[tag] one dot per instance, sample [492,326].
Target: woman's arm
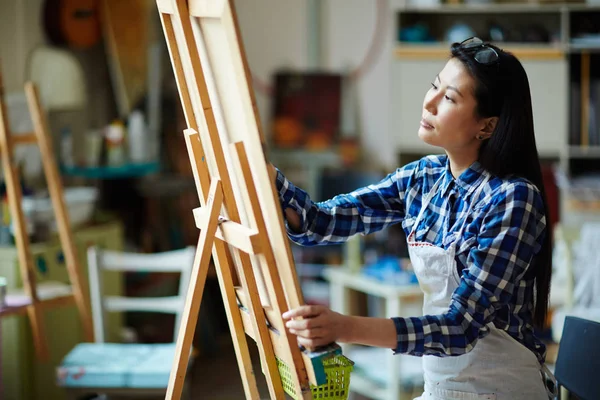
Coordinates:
[292,218]
[320,326]
[364,210]
[512,232]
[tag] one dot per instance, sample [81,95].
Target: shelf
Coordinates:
[583,48]
[494,8]
[50,294]
[366,284]
[581,7]
[584,151]
[442,51]
[19,307]
[124,171]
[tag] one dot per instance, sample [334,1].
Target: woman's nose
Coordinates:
[430,104]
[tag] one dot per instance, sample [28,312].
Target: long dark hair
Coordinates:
[502,90]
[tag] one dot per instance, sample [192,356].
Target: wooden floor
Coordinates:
[216,376]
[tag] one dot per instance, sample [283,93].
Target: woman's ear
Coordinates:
[489,124]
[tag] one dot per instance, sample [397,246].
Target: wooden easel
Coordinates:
[240,216]
[40,137]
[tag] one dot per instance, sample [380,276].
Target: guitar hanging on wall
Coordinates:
[72,23]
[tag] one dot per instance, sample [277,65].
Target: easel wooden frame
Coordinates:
[40,137]
[240,216]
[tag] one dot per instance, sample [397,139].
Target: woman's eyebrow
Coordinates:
[454,88]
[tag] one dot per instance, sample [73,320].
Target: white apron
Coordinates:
[498,367]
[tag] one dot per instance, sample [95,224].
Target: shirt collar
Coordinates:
[466,182]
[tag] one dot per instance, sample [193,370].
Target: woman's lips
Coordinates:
[426,124]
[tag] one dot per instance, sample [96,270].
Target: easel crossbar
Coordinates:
[235,234]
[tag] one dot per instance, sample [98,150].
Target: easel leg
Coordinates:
[236,325]
[55,187]
[195,291]
[14,194]
[225,273]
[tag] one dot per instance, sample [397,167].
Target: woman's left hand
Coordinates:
[318,327]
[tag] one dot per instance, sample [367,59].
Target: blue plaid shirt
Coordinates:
[503,232]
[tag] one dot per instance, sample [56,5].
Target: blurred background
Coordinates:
[339,86]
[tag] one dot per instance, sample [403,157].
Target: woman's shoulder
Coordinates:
[513,188]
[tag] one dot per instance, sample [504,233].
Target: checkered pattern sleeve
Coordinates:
[512,230]
[363,211]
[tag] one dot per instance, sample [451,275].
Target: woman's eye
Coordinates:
[433,85]
[448,98]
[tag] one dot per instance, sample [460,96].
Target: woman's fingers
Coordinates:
[314,333]
[314,326]
[303,311]
[312,344]
[308,323]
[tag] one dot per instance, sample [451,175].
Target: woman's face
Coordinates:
[449,118]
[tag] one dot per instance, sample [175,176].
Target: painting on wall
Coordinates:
[307,110]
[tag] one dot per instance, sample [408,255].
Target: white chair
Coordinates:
[126,369]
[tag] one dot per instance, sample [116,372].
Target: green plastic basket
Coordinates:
[337,371]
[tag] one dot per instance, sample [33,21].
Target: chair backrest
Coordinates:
[578,360]
[170,261]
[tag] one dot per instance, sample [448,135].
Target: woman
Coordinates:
[477,235]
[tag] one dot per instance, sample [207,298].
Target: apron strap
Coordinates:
[425,204]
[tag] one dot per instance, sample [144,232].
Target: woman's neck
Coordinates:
[460,162]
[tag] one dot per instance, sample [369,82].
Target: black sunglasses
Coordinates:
[483,54]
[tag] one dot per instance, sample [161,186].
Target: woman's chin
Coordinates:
[427,136]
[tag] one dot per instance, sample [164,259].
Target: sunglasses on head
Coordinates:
[483,53]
